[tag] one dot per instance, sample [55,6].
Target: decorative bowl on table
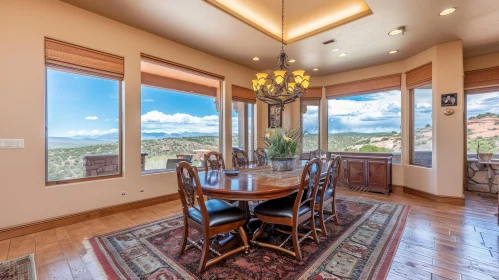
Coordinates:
[231,172]
[280,164]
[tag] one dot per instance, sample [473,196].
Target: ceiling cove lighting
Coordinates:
[399,30]
[447,11]
[336,49]
[393,52]
[256,58]
[342,54]
[284,87]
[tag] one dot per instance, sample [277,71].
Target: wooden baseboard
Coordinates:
[28,228]
[437,198]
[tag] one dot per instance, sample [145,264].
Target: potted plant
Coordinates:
[281,145]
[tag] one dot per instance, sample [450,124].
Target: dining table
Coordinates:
[256,183]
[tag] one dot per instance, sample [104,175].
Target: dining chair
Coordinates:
[320,154]
[240,159]
[209,218]
[292,211]
[326,194]
[214,161]
[261,157]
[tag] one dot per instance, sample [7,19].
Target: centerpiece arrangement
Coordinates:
[282,145]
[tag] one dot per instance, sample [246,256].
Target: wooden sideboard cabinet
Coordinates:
[366,171]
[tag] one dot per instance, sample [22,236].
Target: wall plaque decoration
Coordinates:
[448,111]
[449,99]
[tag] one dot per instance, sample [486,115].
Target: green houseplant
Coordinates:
[282,145]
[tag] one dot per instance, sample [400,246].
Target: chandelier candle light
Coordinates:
[284,87]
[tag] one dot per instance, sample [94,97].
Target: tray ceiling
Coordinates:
[199,25]
[302,19]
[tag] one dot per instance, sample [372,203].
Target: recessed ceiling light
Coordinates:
[291,60]
[342,54]
[397,31]
[336,49]
[316,69]
[256,58]
[394,51]
[447,11]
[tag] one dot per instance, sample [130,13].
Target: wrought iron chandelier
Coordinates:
[284,87]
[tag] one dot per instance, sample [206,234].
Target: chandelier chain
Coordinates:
[282,27]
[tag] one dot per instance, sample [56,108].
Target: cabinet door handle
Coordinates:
[359,172]
[370,174]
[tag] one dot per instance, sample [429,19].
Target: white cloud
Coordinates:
[95,132]
[379,112]
[92,118]
[155,121]
[107,120]
[148,100]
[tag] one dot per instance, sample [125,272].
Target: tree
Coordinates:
[427,125]
[374,149]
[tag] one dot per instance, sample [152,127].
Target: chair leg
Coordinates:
[244,238]
[314,231]
[258,232]
[296,245]
[333,210]
[322,223]
[204,254]
[184,236]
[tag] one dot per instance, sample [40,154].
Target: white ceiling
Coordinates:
[199,25]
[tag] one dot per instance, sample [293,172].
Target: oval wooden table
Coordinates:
[251,184]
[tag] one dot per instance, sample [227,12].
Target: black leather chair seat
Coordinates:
[219,212]
[281,207]
[327,195]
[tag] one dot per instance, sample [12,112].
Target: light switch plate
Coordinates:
[11,143]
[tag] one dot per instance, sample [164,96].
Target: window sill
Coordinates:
[81,180]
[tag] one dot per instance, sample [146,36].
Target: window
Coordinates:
[367,123]
[180,117]
[83,126]
[482,125]
[83,113]
[421,126]
[242,127]
[310,126]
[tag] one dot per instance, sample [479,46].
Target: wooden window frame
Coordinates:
[120,131]
[318,123]
[412,133]
[246,139]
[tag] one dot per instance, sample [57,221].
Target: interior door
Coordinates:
[356,172]
[377,174]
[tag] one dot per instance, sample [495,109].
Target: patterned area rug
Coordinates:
[22,268]
[360,247]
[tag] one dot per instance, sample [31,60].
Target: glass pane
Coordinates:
[310,129]
[251,140]
[422,126]
[482,112]
[366,123]
[177,126]
[82,126]
[238,109]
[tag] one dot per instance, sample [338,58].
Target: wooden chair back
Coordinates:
[261,157]
[214,161]
[308,185]
[189,190]
[332,175]
[240,159]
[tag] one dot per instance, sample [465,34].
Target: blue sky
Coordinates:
[368,113]
[80,105]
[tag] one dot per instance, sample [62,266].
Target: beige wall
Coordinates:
[23,25]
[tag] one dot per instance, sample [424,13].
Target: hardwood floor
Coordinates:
[440,241]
